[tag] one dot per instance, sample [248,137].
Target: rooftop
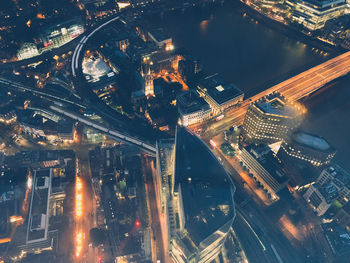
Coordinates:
[275,104]
[63,24]
[338,173]
[329,191]
[159,34]
[207,193]
[65,127]
[264,156]
[323,5]
[38,207]
[218,90]
[338,238]
[190,101]
[311,141]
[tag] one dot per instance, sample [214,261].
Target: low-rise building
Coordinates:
[28,50]
[52,37]
[8,116]
[338,238]
[308,148]
[159,37]
[218,94]
[342,217]
[36,125]
[188,68]
[38,236]
[192,108]
[331,187]
[264,166]
[65,130]
[59,34]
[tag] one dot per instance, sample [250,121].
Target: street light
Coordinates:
[29,182]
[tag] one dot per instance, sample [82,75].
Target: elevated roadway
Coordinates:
[9,84]
[100,107]
[149,148]
[293,89]
[81,45]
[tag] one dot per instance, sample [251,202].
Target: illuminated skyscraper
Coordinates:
[271,119]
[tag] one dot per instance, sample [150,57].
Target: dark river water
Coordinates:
[254,56]
[246,52]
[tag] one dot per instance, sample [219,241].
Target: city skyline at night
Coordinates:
[192,131]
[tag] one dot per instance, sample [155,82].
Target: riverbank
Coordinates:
[290,31]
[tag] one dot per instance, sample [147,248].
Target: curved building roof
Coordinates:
[311,141]
[206,190]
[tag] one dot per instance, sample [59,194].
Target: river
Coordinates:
[329,116]
[246,52]
[254,56]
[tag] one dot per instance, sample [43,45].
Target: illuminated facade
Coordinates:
[148,87]
[270,119]
[313,14]
[192,108]
[8,117]
[218,94]
[58,35]
[261,163]
[269,3]
[53,37]
[333,185]
[28,50]
[308,148]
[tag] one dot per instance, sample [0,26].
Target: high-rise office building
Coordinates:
[270,119]
[200,203]
[313,14]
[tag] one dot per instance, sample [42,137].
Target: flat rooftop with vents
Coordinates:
[275,104]
[219,94]
[39,207]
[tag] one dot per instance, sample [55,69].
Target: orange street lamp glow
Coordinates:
[79,235]
[79,185]
[78,198]
[79,242]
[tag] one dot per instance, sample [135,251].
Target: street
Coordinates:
[85,210]
[158,252]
